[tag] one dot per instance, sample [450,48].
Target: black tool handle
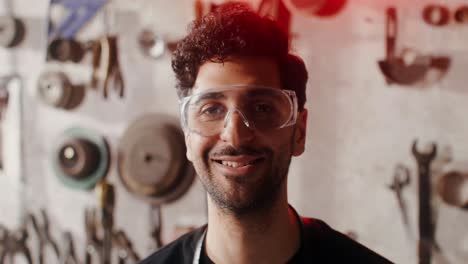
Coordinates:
[426,230]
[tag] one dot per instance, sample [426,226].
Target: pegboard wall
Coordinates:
[359,126]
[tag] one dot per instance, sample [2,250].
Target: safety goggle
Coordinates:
[208,112]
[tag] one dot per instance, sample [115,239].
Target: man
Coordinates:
[242,111]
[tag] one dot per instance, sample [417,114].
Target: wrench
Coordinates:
[401,179]
[426,224]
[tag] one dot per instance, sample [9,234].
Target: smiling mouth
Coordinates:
[238,164]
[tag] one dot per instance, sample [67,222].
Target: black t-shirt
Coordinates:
[204,259]
[319,244]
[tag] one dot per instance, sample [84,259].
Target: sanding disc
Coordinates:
[151,159]
[12,31]
[55,89]
[452,184]
[80,158]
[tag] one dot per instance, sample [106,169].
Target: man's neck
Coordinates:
[271,236]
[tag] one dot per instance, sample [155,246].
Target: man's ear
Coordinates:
[300,133]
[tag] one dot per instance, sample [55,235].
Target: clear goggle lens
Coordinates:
[261,108]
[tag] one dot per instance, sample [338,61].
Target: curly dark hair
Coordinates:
[233,29]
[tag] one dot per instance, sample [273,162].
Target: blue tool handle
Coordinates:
[80,12]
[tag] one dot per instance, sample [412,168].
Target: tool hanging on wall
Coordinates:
[440,15]
[55,89]
[106,67]
[67,50]
[452,188]
[461,15]
[125,251]
[14,244]
[316,8]
[4,97]
[45,239]
[401,179]
[12,28]
[436,15]
[81,158]
[101,238]
[151,44]
[410,67]
[78,14]
[152,164]
[426,219]
[12,31]
[68,255]
[106,198]
[93,243]
[278,11]
[151,159]
[62,30]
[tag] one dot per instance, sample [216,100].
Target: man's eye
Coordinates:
[263,108]
[212,110]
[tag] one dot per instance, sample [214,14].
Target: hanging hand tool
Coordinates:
[452,187]
[12,29]
[126,253]
[461,14]
[436,15]
[79,14]
[426,223]
[106,196]
[278,11]
[106,67]
[156,225]
[13,244]
[401,179]
[45,239]
[81,158]
[151,45]
[68,254]
[93,243]
[410,67]
[64,50]
[314,8]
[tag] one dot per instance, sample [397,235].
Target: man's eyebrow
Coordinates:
[260,92]
[209,95]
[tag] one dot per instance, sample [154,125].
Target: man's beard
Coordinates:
[267,189]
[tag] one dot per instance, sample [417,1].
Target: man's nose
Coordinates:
[237,129]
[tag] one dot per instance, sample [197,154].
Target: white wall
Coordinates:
[359,127]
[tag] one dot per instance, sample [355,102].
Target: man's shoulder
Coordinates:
[334,246]
[179,251]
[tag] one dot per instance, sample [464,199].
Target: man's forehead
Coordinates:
[254,71]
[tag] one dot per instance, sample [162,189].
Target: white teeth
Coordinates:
[233,164]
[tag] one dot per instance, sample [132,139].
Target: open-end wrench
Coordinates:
[426,224]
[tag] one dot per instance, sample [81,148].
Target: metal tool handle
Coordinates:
[426,224]
[392,32]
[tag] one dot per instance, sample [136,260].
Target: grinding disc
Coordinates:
[55,89]
[452,184]
[81,158]
[66,50]
[151,159]
[12,31]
